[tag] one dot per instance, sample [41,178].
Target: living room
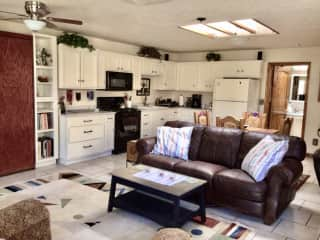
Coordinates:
[91,111]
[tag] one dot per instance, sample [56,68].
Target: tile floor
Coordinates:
[301,220]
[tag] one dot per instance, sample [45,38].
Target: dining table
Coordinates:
[262,130]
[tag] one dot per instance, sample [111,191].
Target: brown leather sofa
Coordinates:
[216,155]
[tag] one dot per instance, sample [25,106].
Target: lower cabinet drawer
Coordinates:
[80,134]
[87,148]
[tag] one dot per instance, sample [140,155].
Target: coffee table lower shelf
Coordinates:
[155,208]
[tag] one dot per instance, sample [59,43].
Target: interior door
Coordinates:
[279,97]
[17,139]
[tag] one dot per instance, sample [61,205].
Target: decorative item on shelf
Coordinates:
[43,57]
[43,79]
[75,40]
[149,52]
[213,57]
[62,105]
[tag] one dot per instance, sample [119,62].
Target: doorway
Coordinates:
[287,96]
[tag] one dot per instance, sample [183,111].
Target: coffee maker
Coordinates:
[196,100]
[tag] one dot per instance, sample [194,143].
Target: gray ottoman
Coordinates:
[27,219]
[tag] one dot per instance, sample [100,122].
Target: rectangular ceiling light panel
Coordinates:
[244,27]
[256,26]
[204,30]
[229,28]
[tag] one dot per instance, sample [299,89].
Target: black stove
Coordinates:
[127,121]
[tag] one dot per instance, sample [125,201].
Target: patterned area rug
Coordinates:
[212,229]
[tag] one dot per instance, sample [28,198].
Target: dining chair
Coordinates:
[202,118]
[255,119]
[229,122]
[286,124]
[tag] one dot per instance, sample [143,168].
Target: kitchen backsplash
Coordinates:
[85,102]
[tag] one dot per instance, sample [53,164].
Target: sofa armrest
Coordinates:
[280,176]
[316,163]
[287,171]
[145,146]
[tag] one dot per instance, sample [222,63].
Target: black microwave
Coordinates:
[119,81]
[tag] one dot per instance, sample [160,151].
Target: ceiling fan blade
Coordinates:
[51,25]
[12,19]
[18,14]
[64,20]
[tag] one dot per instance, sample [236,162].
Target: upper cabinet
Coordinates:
[207,75]
[150,67]
[168,79]
[188,75]
[78,68]
[240,69]
[117,62]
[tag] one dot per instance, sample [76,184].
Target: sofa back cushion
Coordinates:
[297,146]
[220,146]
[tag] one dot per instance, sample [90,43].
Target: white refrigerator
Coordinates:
[234,96]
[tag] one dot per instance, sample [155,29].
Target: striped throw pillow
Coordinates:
[173,142]
[266,154]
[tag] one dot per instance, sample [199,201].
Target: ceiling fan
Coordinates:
[36,16]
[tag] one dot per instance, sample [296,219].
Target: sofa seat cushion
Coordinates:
[198,169]
[160,161]
[238,184]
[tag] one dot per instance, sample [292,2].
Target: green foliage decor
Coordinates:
[75,40]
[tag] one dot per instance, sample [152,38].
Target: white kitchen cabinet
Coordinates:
[78,68]
[146,126]
[85,136]
[241,69]
[188,75]
[136,70]
[109,132]
[117,62]
[168,79]
[69,67]
[150,67]
[206,76]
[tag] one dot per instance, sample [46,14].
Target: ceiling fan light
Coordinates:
[34,25]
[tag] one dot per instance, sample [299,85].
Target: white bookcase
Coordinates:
[46,101]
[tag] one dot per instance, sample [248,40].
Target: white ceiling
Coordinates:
[156,25]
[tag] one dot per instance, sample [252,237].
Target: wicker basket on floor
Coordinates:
[171,234]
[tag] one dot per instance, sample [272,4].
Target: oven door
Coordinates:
[118,81]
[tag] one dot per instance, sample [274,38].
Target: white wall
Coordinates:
[270,55]
[282,55]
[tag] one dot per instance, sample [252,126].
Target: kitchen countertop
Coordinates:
[141,108]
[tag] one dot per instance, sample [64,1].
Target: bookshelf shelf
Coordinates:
[46,130]
[45,67]
[45,111]
[45,83]
[46,98]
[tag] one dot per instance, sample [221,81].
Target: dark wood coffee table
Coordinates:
[166,205]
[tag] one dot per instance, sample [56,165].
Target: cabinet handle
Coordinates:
[90,131]
[162,119]
[110,118]
[87,121]
[146,115]
[87,146]
[145,124]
